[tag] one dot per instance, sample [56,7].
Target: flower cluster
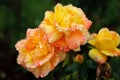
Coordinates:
[44,47]
[64,29]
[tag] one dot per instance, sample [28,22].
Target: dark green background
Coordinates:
[18,15]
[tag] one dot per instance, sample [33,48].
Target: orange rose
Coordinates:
[36,55]
[66,23]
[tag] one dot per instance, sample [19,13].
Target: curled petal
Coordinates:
[97,56]
[61,45]
[75,39]
[43,70]
[59,13]
[116,51]
[20,46]
[107,53]
[43,53]
[87,23]
[51,32]
[108,39]
[112,52]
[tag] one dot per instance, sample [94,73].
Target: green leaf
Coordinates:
[72,67]
[115,65]
[69,59]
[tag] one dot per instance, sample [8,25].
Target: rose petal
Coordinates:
[61,45]
[97,56]
[75,39]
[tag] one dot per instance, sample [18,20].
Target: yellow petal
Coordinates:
[97,56]
[62,18]
[65,23]
[105,40]
[103,32]
[51,64]
[107,53]
[77,16]
[106,43]
[94,42]
[49,16]
[77,19]
[116,38]
[42,53]
[52,33]
[29,61]
[59,13]
[115,51]
[108,39]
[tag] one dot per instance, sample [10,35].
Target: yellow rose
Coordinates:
[105,42]
[36,55]
[68,23]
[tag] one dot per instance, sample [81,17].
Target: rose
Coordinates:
[66,27]
[105,43]
[36,54]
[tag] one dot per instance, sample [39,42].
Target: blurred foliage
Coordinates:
[18,15]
